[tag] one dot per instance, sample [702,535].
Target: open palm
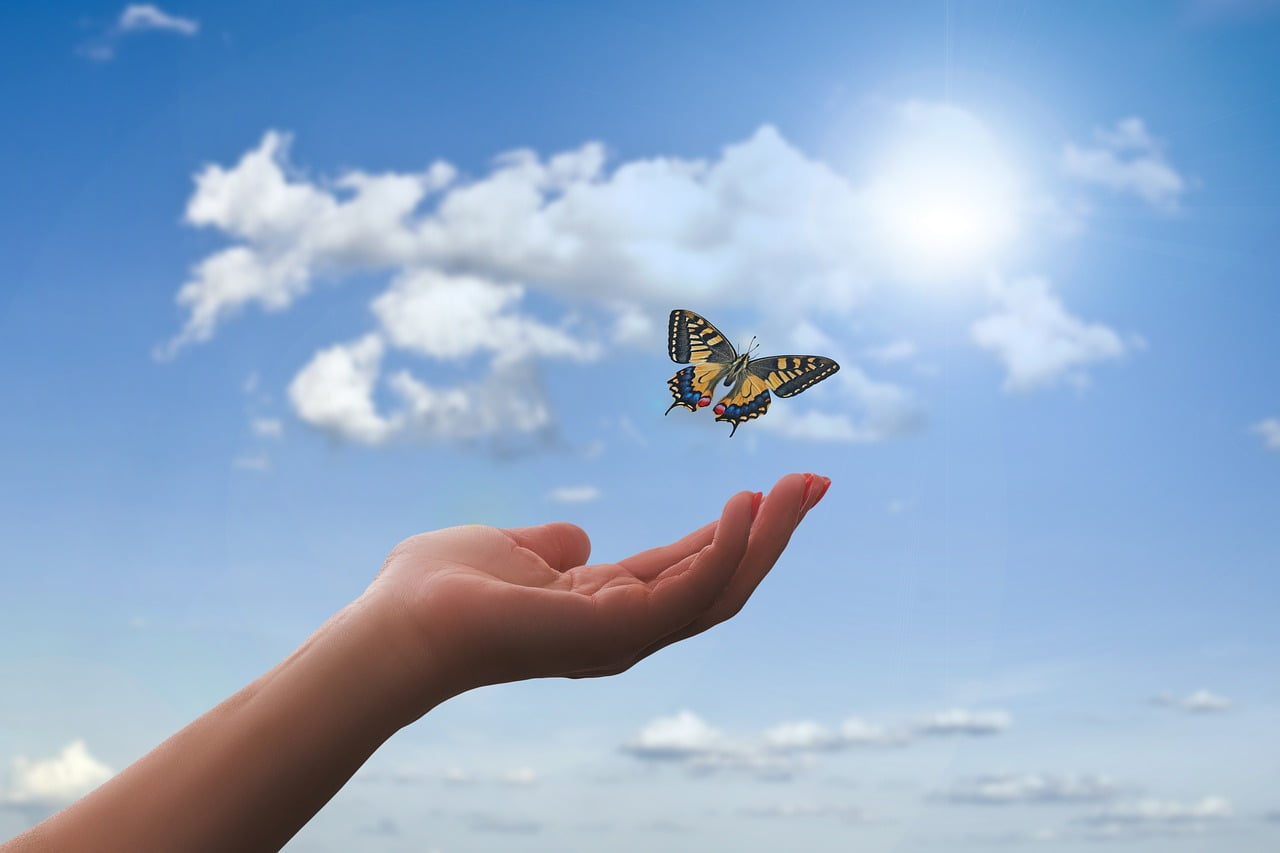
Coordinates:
[481,605]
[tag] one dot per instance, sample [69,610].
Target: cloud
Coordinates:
[334,392]
[894,351]
[1269,429]
[1038,341]
[252,462]
[466,260]
[139,17]
[574,494]
[136,18]
[960,721]
[679,737]
[520,777]
[1199,702]
[1157,817]
[851,814]
[267,427]
[1127,159]
[1011,789]
[50,783]
[887,411]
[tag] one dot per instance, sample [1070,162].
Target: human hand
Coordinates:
[475,605]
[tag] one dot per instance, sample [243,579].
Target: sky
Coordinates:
[282,284]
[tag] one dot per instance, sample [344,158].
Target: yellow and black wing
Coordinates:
[691,339]
[785,375]
[788,375]
[748,400]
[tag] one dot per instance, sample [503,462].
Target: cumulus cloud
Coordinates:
[1163,817]
[1269,429]
[136,18]
[1038,341]
[1127,159]
[574,494]
[466,259]
[1199,702]
[50,783]
[678,737]
[1012,788]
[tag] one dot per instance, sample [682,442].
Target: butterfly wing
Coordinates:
[788,375]
[692,339]
[748,400]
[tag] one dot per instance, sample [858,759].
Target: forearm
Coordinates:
[249,773]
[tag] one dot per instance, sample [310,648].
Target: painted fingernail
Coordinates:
[808,486]
[755,504]
[822,489]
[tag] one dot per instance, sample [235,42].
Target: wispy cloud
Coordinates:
[1199,702]
[1127,159]
[134,19]
[574,494]
[1269,429]
[1146,817]
[1015,788]
[1038,341]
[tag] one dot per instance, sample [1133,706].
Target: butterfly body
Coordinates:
[713,361]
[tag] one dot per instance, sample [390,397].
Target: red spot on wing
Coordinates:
[719,409]
[704,401]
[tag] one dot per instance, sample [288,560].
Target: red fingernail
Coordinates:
[822,490]
[808,484]
[755,504]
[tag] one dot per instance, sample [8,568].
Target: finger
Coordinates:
[647,565]
[681,592]
[779,514]
[560,544]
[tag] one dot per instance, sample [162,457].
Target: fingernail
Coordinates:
[755,504]
[808,485]
[822,490]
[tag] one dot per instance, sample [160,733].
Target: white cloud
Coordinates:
[252,462]
[681,736]
[761,217]
[519,777]
[334,392]
[1200,702]
[143,16]
[54,782]
[897,350]
[574,494]
[1127,159]
[888,411]
[135,18]
[1038,341]
[267,427]
[806,810]
[960,721]
[1270,432]
[1011,788]
[455,316]
[1150,816]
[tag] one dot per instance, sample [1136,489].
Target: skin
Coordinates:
[450,610]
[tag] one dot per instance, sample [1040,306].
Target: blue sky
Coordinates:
[285,283]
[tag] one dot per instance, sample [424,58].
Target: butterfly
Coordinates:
[691,339]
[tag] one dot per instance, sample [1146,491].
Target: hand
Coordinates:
[476,605]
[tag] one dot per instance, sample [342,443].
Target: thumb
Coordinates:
[562,545]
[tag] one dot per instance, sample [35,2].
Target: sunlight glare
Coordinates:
[944,198]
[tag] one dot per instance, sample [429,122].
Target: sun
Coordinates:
[944,196]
